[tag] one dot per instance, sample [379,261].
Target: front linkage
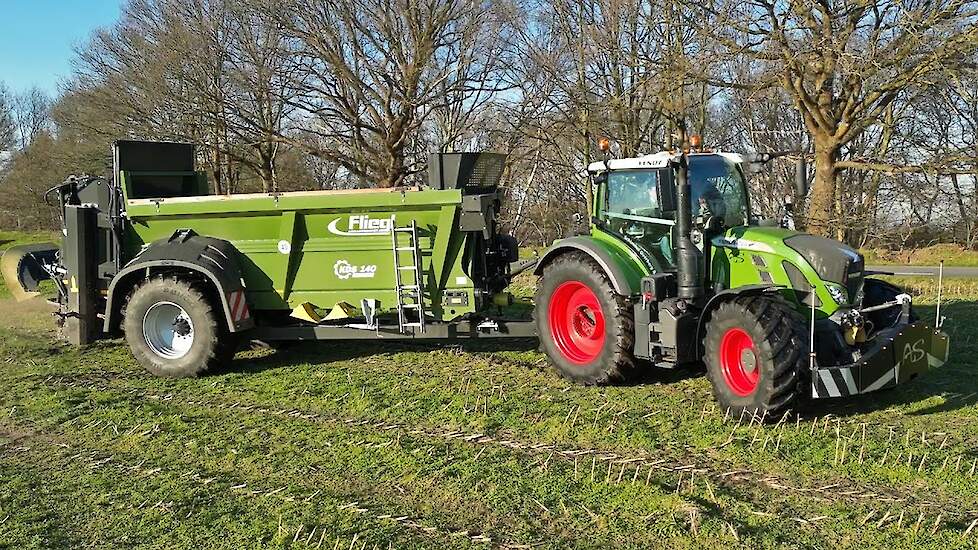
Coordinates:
[896,355]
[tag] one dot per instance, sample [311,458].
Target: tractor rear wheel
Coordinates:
[585,327]
[174,331]
[755,357]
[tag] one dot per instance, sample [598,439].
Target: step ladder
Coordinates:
[408,278]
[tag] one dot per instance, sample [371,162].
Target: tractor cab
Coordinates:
[635,198]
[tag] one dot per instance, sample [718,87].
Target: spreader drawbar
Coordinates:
[893,361]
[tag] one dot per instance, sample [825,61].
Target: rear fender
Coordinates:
[214,260]
[624,271]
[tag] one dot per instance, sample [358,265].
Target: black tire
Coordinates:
[610,362]
[211,344]
[777,345]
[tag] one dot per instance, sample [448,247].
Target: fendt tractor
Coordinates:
[674,269]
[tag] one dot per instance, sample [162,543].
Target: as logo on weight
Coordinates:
[344,270]
[913,351]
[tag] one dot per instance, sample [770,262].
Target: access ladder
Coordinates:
[407,277]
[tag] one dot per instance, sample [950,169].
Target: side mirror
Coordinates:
[801,177]
[666,191]
[788,219]
[755,164]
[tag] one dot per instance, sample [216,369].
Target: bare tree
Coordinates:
[375,71]
[8,128]
[844,62]
[32,115]
[209,71]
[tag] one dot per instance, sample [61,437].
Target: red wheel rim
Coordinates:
[576,322]
[738,360]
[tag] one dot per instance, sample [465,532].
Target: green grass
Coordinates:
[14,238]
[952,255]
[363,445]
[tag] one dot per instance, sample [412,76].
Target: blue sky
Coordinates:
[37,38]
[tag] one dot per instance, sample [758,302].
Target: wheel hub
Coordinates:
[576,321]
[584,323]
[738,362]
[168,330]
[181,326]
[748,361]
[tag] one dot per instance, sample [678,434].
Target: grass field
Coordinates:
[952,255]
[368,445]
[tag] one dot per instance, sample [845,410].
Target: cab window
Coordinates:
[631,209]
[718,184]
[633,193]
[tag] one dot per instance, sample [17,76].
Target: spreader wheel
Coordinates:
[173,330]
[585,327]
[755,352]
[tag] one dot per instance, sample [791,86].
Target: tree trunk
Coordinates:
[963,211]
[266,171]
[395,171]
[822,202]
[216,163]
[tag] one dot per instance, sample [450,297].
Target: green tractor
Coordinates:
[675,269]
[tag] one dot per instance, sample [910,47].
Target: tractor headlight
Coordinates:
[838,293]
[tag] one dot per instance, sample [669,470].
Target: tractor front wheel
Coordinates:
[174,331]
[755,356]
[585,327]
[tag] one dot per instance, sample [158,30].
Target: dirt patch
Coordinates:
[34,316]
[14,437]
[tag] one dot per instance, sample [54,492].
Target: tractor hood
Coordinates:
[833,261]
[805,260]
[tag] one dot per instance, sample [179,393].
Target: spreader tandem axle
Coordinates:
[673,270]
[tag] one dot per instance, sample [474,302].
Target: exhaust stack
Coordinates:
[689,257]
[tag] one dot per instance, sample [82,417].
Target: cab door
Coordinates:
[630,208]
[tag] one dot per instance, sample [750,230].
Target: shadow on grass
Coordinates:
[288,354]
[293,353]
[956,381]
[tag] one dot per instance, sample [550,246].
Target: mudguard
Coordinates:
[215,259]
[22,268]
[625,274]
[723,296]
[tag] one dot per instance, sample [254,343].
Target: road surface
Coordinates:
[925,270]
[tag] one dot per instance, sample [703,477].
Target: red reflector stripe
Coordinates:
[238,305]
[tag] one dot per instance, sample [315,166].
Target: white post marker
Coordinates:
[811,351]
[940,291]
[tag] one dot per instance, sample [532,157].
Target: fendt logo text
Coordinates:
[344,270]
[361,224]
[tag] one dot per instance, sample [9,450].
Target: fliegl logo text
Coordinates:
[344,270]
[361,224]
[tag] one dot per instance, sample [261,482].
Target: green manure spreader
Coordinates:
[674,269]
